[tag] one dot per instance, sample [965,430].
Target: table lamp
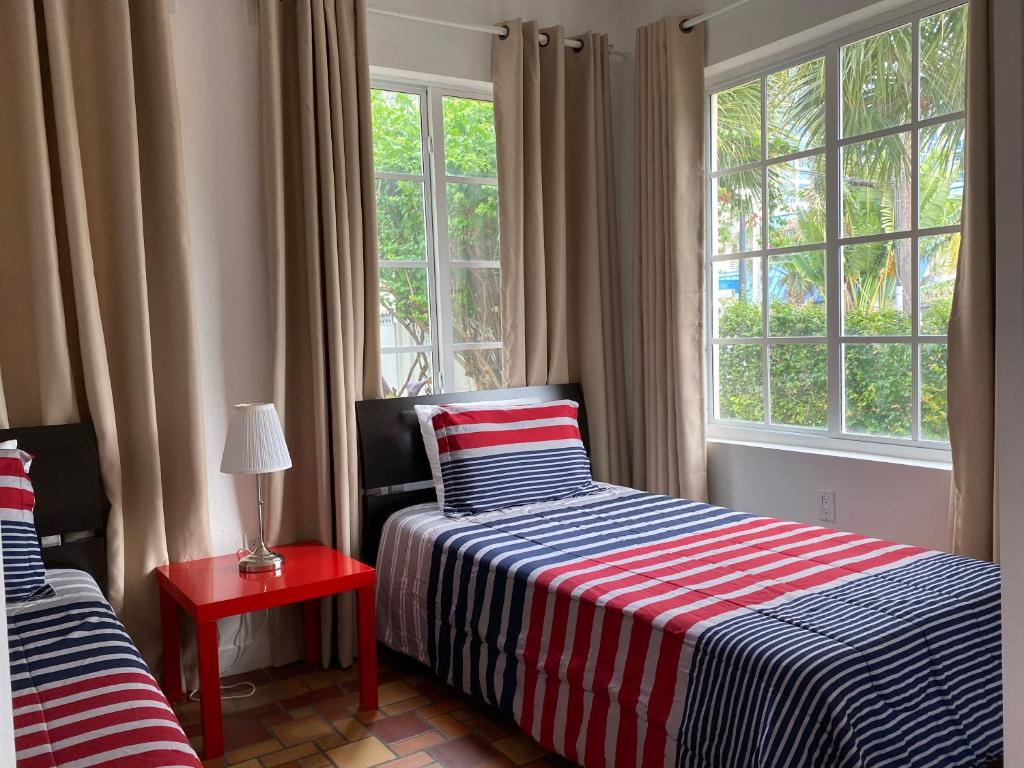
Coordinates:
[255,446]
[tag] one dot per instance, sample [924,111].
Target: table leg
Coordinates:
[171,648]
[209,690]
[367,650]
[311,630]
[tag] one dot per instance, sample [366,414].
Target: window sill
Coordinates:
[845,448]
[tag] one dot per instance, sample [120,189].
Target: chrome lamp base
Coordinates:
[260,561]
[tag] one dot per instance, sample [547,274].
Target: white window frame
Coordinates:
[833,438]
[439,265]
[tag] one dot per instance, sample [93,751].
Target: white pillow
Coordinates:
[8,444]
[425,415]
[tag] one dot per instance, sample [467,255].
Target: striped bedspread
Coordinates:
[82,694]
[630,629]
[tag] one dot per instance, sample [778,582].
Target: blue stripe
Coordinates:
[24,574]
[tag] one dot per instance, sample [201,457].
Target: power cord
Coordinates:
[239,643]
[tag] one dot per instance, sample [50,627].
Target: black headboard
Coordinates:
[71,507]
[393,468]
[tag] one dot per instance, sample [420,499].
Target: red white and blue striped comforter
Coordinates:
[630,629]
[82,694]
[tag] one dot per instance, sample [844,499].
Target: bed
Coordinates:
[82,695]
[625,628]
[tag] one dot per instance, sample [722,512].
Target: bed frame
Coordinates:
[393,468]
[71,507]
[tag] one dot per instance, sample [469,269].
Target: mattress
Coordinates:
[83,696]
[632,629]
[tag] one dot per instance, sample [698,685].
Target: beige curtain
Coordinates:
[668,261]
[322,255]
[95,293]
[561,311]
[974,525]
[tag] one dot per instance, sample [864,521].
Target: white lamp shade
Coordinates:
[254,443]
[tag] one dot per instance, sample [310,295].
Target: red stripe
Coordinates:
[85,704]
[574,677]
[133,737]
[12,466]
[17,498]
[88,723]
[81,686]
[467,440]
[531,652]
[446,418]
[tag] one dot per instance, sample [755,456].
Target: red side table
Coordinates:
[212,588]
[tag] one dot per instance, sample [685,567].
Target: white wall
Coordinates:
[897,501]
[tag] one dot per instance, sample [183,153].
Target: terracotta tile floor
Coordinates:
[304,717]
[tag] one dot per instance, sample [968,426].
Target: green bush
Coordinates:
[877,376]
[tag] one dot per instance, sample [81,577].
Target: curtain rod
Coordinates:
[499,30]
[687,24]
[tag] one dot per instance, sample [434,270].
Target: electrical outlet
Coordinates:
[827,506]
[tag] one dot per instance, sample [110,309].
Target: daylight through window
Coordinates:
[437,226]
[834,196]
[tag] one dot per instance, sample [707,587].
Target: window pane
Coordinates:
[943,62]
[737,200]
[736,116]
[876,186]
[469,148]
[404,307]
[406,374]
[796,287]
[878,389]
[877,299]
[477,369]
[396,131]
[473,222]
[737,289]
[876,81]
[401,233]
[933,392]
[798,381]
[796,108]
[937,258]
[740,382]
[942,174]
[796,202]
[476,304]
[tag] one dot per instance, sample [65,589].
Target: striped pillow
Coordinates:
[24,574]
[494,458]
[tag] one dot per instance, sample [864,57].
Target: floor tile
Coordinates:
[415,760]
[306,717]
[389,693]
[448,725]
[398,727]
[361,754]
[462,752]
[307,729]
[417,743]
[520,748]
[290,754]
[351,729]
[254,749]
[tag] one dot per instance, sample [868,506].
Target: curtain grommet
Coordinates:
[582,45]
[504,35]
[685,29]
